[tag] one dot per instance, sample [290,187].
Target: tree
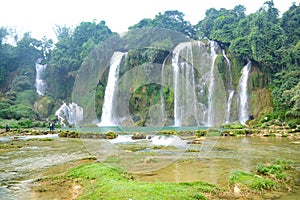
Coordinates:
[173,20]
[290,24]
[71,49]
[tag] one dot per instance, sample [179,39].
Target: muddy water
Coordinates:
[20,165]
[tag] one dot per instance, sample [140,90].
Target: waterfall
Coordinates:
[230,89]
[211,87]
[71,113]
[185,101]
[243,115]
[107,118]
[228,106]
[175,60]
[40,84]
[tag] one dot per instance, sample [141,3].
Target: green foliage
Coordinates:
[274,169]
[110,135]
[200,133]
[251,181]
[108,181]
[168,132]
[17,112]
[290,23]
[71,50]
[173,20]
[234,125]
[144,97]
[26,97]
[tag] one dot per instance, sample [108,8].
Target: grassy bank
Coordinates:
[100,181]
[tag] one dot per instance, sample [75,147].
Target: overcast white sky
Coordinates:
[40,16]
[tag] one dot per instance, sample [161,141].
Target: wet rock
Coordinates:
[139,136]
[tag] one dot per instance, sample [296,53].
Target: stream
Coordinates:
[156,158]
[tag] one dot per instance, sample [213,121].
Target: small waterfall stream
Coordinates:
[71,113]
[230,89]
[177,112]
[40,84]
[107,118]
[243,115]
[211,87]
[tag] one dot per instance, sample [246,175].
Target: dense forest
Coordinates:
[270,40]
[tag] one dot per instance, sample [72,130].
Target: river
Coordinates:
[160,158]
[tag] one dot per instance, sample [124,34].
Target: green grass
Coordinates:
[10,146]
[274,169]
[101,181]
[251,181]
[41,139]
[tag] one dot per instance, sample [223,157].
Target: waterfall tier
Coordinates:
[107,118]
[197,76]
[243,94]
[40,83]
[71,113]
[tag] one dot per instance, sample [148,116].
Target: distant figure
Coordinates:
[51,126]
[7,128]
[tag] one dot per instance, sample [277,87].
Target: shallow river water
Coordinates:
[157,158]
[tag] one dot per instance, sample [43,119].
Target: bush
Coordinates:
[200,133]
[25,123]
[235,125]
[275,168]
[251,181]
[168,132]
[17,112]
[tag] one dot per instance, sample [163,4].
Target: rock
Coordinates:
[139,136]
[236,190]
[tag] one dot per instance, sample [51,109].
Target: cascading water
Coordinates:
[243,115]
[190,72]
[177,116]
[40,84]
[197,85]
[185,101]
[71,113]
[211,87]
[230,89]
[107,118]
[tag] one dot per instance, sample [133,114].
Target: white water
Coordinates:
[211,87]
[228,106]
[177,112]
[185,101]
[107,118]
[230,90]
[158,140]
[243,115]
[40,84]
[71,113]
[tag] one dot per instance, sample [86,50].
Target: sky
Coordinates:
[40,16]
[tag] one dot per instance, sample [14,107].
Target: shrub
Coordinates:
[200,133]
[251,181]
[275,168]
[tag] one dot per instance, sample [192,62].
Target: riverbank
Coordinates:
[272,131]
